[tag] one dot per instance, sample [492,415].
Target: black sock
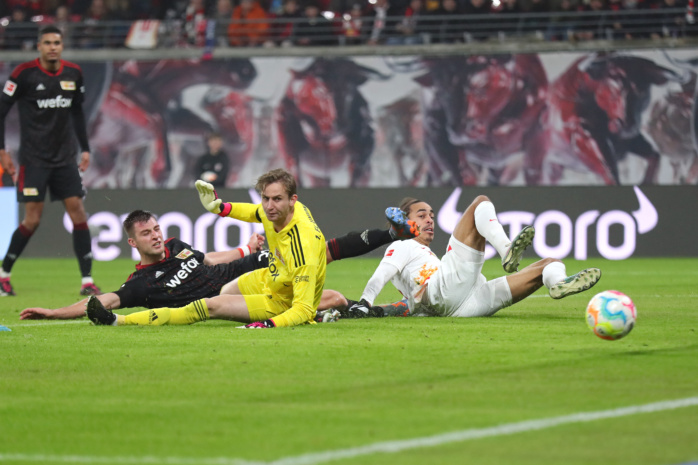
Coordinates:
[355,243]
[82,244]
[20,239]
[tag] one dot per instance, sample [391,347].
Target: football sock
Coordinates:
[191,313]
[488,226]
[20,239]
[553,273]
[82,244]
[355,243]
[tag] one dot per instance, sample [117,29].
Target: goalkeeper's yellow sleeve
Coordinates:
[247,212]
[307,292]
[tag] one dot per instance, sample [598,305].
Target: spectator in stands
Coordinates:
[195,23]
[30,7]
[63,20]
[353,25]
[477,26]
[448,26]
[286,22]
[93,30]
[670,19]
[248,25]
[594,23]
[537,23]
[509,18]
[410,29]
[314,29]
[20,33]
[382,22]
[222,14]
[562,26]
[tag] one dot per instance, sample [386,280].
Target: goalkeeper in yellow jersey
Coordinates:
[286,293]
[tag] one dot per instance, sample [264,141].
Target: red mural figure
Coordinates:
[144,104]
[595,115]
[324,124]
[480,112]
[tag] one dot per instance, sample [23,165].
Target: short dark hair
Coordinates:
[136,216]
[50,29]
[278,175]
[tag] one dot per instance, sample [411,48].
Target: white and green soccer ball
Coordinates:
[611,315]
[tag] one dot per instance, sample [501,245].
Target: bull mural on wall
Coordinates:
[481,111]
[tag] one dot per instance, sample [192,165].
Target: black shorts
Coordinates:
[63,182]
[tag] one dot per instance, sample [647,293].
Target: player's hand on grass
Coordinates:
[36,313]
[209,198]
[260,325]
[256,243]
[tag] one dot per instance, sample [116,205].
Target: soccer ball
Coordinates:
[611,315]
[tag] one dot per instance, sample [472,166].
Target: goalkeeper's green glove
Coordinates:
[210,201]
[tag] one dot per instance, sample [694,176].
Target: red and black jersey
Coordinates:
[181,277]
[50,113]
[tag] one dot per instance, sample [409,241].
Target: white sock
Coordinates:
[488,226]
[4,274]
[553,273]
[87,280]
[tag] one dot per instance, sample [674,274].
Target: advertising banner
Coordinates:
[539,119]
[571,222]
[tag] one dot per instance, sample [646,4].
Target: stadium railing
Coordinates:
[664,28]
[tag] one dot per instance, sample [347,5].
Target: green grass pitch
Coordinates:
[213,394]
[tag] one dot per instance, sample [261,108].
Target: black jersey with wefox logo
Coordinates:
[181,277]
[50,113]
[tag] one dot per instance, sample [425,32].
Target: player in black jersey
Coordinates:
[172,273]
[49,93]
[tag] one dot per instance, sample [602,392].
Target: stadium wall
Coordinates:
[575,222]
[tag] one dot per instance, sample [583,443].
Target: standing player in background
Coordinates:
[49,92]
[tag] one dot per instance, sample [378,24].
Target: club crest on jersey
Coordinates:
[184,254]
[68,85]
[277,254]
[10,88]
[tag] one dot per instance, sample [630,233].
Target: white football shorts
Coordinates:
[458,287]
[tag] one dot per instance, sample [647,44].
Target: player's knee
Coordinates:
[31,224]
[479,199]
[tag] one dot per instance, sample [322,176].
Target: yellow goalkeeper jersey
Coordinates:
[297,261]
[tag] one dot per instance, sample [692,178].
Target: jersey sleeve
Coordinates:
[133,293]
[307,278]
[303,307]
[380,278]
[247,212]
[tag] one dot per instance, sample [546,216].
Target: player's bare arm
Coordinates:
[7,164]
[255,244]
[110,300]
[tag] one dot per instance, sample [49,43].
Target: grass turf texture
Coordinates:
[190,393]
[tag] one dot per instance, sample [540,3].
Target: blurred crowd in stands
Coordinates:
[234,23]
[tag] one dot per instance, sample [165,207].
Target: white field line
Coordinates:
[86,322]
[387,447]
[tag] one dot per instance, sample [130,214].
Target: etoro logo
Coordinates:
[57,102]
[186,269]
[573,232]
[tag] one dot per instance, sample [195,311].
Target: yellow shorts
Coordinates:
[261,304]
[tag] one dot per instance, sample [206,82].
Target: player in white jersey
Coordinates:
[455,285]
